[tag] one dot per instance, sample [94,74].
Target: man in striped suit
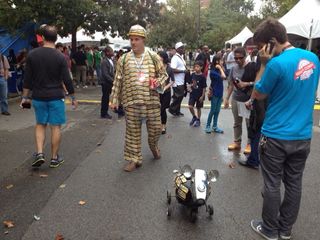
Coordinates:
[139,74]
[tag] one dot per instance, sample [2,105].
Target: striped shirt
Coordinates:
[131,84]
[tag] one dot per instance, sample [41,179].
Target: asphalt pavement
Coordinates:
[118,205]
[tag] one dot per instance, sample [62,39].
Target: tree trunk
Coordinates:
[74,40]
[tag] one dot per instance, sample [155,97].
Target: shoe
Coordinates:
[6,113]
[77,86]
[56,162]
[172,112]
[256,225]
[234,146]
[193,120]
[284,236]
[131,166]
[156,153]
[180,114]
[164,131]
[247,150]
[107,116]
[197,123]
[38,160]
[85,86]
[245,164]
[208,130]
[217,130]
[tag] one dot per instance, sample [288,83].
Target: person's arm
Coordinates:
[174,65]
[204,87]
[229,89]
[160,72]
[6,67]
[105,72]
[115,97]
[172,80]
[67,82]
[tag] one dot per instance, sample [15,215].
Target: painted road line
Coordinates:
[184,105]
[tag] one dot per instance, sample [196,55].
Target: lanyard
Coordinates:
[139,65]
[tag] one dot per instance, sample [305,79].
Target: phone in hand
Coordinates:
[26,105]
[270,45]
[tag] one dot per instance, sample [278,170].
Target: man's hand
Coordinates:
[201,99]
[24,101]
[249,104]
[242,84]
[226,103]
[114,106]
[153,83]
[265,54]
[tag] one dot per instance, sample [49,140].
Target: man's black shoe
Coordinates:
[180,114]
[107,116]
[172,113]
[38,160]
[6,113]
[246,164]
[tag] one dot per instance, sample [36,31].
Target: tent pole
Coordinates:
[310,37]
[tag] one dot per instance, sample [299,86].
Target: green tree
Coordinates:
[70,15]
[276,8]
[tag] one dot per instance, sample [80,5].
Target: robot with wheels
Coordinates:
[192,189]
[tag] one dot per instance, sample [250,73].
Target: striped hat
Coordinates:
[137,30]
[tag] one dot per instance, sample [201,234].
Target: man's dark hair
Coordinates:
[270,28]
[59,44]
[49,33]
[228,45]
[164,56]
[240,50]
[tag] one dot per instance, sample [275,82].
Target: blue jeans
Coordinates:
[3,94]
[214,111]
[253,158]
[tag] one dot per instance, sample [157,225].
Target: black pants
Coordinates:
[178,94]
[282,160]
[106,91]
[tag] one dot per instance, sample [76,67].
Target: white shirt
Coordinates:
[177,62]
[230,59]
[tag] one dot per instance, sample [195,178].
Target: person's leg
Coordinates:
[55,140]
[191,109]
[84,75]
[3,95]
[104,102]
[154,130]
[210,116]
[40,135]
[217,107]
[173,105]
[272,158]
[78,75]
[253,158]
[198,113]
[237,127]
[298,152]
[132,149]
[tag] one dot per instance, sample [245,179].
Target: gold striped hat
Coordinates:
[137,30]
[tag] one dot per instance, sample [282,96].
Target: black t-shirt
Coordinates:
[198,84]
[46,70]
[80,58]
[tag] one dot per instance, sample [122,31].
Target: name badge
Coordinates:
[141,77]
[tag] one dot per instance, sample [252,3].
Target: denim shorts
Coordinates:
[50,112]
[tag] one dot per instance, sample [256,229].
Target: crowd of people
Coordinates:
[272,89]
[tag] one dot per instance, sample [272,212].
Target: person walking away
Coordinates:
[106,81]
[242,72]
[97,61]
[138,74]
[46,73]
[165,97]
[4,75]
[197,93]
[217,75]
[79,58]
[179,68]
[289,78]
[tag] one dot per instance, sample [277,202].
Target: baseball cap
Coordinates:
[179,45]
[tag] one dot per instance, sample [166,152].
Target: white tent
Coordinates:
[242,37]
[303,19]
[96,37]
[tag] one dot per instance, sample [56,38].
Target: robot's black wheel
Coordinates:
[169,211]
[193,216]
[168,197]
[210,210]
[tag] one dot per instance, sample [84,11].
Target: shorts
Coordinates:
[195,101]
[49,112]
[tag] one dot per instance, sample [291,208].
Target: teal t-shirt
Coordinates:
[290,80]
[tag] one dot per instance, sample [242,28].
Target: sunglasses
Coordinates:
[238,58]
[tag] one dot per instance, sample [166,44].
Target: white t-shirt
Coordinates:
[231,61]
[177,62]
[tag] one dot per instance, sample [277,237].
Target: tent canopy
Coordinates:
[96,37]
[303,19]
[242,37]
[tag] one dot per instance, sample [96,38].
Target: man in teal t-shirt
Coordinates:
[289,78]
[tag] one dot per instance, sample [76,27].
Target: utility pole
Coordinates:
[199,24]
